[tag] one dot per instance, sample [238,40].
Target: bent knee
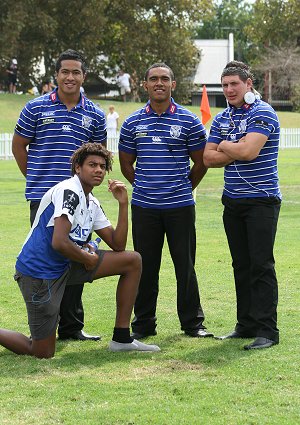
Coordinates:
[135,260]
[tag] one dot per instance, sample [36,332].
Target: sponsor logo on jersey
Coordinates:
[142,127]
[156,139]
[261,123]
[70,201]
[48,120]
[86,121]
[66,127]
[175,131]
[80,233]
[141,134]
[48,114]
[224,130]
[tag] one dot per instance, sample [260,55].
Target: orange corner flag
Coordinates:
[204,107]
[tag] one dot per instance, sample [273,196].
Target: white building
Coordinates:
[215,54]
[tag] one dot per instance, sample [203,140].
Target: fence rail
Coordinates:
[289,138]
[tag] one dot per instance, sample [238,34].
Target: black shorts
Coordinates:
[12,79]
[43,296]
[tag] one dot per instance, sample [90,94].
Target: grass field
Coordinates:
[11,105]
[191,381]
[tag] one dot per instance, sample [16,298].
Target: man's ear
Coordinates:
[77,169]
[145,86]
[173,87]
[249,84]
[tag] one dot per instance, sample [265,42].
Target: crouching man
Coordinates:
[54,255]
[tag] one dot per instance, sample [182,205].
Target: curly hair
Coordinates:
[80,155]
[238,68]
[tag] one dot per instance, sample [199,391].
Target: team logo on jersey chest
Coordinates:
[175,131]
[243,126]
[86,121]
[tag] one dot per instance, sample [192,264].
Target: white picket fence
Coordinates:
[6,152]
[289,138]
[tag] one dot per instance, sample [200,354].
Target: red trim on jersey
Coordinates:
[53,96]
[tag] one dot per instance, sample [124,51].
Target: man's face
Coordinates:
[91,172]
[234,89]
[159,84]
[70,77]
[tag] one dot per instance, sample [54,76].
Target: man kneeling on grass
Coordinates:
[53,256]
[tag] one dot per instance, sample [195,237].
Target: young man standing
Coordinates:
[161,138]
[49,130]
[244,139]
[53,256]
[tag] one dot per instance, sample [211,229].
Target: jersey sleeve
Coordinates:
[263,120]
[99,133]
[215,135]
[26,124]
[101,221]
[65,202]
[197,135]
[127,140]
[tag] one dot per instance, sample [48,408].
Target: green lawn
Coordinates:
[192,381]
[11,105]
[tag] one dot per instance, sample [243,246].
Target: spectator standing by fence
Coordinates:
[123,81]
[112,124]
[12,71]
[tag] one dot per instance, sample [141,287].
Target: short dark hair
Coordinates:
[71,55]
[238,68]
[159,65]
[80,155]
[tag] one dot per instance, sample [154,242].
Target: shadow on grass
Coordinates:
[179,352]
[207,351]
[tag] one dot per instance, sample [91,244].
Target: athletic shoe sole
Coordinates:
[135,345]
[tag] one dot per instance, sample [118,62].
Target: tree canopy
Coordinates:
[133,34]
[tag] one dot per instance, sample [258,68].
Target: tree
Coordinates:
[131,34]
[275,36]
[227,16]
[155,31]
[36,29]
[283,63]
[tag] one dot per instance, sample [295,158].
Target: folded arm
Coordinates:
[246,149]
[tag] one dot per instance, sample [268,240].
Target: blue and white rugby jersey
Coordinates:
[162,146]
[37,257]
[54,134]
[259,177]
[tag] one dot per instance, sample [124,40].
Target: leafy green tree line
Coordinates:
[132,34]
